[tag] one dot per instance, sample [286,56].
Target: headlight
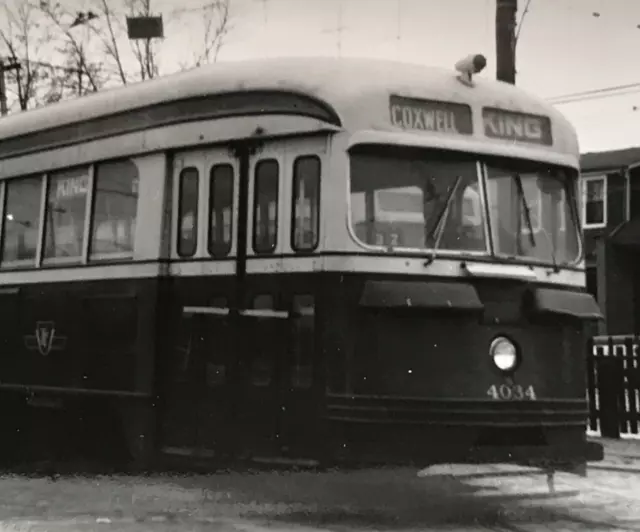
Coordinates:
[504,353]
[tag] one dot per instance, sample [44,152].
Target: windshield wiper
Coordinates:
[438,228]
[527,211]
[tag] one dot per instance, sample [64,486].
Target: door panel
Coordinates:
[203,162]
[250,382]
[197,376]
[266,201]
[285,330]
[300,425]
[286,153]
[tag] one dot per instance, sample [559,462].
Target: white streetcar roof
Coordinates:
[357,89]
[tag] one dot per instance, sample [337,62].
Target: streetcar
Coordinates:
[305,260]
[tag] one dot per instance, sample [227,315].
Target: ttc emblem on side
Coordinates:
[45,339]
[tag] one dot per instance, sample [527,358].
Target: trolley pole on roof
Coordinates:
[11,65]
[506,40]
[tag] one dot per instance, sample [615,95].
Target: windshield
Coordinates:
[427,199]
[531,215]
[410,202]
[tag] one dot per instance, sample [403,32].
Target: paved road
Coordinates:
[461,498]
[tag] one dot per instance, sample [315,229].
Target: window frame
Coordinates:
[85,257]
[216,251]
[254,224]
[316,227]
[179,213]
[116,255]
[88,214]
[569,190]
[585,179]
[366,149]
[42,202]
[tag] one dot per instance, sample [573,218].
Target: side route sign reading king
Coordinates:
[519,127]
[430,115]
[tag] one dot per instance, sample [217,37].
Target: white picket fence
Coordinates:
[618,347]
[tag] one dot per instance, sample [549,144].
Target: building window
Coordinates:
[115,208]
[188,212]
[21,220]
[306,203]
[65,215]
[220,209]
[265,209]
[594,201]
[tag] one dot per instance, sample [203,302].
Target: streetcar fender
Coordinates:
[579,305]
[431,295]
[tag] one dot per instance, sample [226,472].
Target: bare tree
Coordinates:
[215,29]
[73,30]
[21,39]
[111,29]
[144,51]
[111,37]
[64,52]
[117,47]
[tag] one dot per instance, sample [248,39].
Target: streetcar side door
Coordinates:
[199,371]
[277,289]
[261,332]
[243,379]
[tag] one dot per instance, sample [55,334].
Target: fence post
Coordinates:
[591,383]
[610,382]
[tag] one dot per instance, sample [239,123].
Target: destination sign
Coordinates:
[72,187]
[430,115]
[521,127]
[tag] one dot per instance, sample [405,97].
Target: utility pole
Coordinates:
[12,65]
[506,40]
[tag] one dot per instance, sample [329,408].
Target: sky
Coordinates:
[563,48]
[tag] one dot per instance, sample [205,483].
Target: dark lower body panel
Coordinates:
[427,432]
[446,448]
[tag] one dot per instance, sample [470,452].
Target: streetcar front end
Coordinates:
[462,320]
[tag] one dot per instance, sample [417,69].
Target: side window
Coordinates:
[65,214]
[220,209]
[306,203]
[188,212]
[115,206]
[265,207]
[23,198]
[303,341]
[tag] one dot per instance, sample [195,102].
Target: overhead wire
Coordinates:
[596,94]
[581,96]
[194,9]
